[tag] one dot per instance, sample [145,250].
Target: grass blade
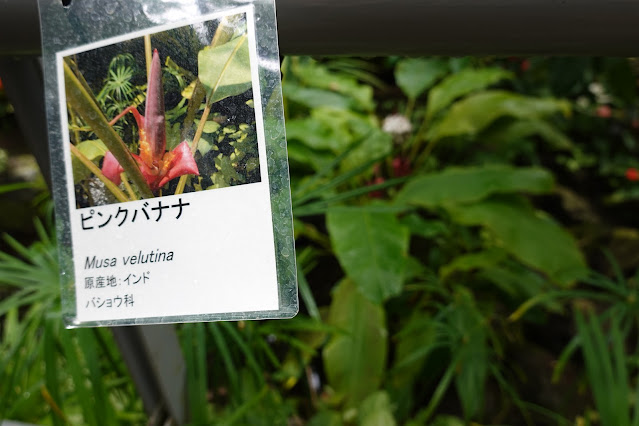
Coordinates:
[307,294]
[51,373]
[229,366]
[195,357]
[250,359]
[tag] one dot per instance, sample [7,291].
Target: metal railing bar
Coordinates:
[415,27]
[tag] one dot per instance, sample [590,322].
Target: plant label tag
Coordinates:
[169,161]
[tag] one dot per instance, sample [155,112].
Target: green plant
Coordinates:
[448,243]
[46,371]
[607,370]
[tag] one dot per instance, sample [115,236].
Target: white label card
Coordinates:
[168,176]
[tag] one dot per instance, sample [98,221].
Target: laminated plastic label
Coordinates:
[169,160]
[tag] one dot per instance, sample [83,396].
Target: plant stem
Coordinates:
[224,32]
[410,106]
[76,133]
[148,53]
[222,35]
[83,104]
[51,402]
[125,181]
[117,192]
[416,142]
[207,109]
[429,148]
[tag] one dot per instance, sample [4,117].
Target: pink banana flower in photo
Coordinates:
[157,166]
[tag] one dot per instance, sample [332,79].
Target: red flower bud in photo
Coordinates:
[157,166]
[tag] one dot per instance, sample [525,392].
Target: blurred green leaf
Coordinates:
[515,279]
[338,131]
[465,185]
[376,145]
[326,418]
[471,353]
[372,248]
[376,410]
[415,341]
[330,128]
[347,89]
[416,75]
[354,360]
[531,237]
[312,97]
[513,132]
[444,420]
[473,114]
[425,228]
[484,259]
[460,84]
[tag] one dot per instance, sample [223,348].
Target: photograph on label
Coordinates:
[162,114]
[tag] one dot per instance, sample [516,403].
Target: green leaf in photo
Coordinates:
[94,150]
[204,146]
[173,136]
[372,247]
[209,127]
[225,70]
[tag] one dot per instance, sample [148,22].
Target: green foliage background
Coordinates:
[467,252]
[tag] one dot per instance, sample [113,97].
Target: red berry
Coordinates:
[604,111]
[524,65]
[401,167]
[632,174]
[377,193]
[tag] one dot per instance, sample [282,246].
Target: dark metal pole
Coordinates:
[416,27]
[459,27]
[154,358]
[19,27]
